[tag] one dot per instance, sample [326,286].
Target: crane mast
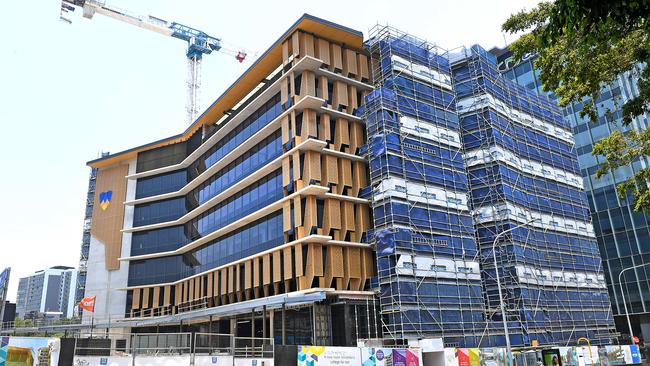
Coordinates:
[198,42]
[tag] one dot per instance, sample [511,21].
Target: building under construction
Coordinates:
[450,140]
[343,189]
[525,182]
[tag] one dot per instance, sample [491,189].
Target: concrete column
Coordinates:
[253,323]
[264,321]
[271,319]
[283,325]
[233,326]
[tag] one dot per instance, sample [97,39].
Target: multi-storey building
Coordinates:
[623,234]
[252,209]
[428,267]
[256,220]
[525,183]
[47,291]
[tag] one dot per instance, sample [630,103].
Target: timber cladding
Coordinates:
[108,216]
[307,260]
[293,268]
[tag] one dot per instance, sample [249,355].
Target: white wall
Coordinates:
[103,283]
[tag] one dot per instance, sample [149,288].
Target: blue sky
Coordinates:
[70,91]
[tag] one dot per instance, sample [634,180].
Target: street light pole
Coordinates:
[620,283]
[501,303]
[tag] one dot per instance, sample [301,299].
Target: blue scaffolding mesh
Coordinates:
[458,154]
[427,257]
[523,169]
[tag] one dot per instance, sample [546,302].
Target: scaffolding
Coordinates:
[523,169]
[428,271]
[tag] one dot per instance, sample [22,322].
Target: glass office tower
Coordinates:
[623,235]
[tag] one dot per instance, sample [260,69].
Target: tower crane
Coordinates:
[198,43]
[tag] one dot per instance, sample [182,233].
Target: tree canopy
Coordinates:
[583,45]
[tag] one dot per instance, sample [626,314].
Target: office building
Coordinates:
[341,182]
[47,291]
[9,313]
[623,235]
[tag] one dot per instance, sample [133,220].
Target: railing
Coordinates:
[169,344]
[161,344]
[253,347]
[213,344]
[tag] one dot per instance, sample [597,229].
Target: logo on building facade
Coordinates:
[105,199]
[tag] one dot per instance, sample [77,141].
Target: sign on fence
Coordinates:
[329,356]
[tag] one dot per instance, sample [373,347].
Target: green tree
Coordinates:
[583,45]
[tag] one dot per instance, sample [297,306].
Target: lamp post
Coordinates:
[620,283]
[501,303]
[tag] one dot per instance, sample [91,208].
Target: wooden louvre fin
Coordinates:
[231,280]
[156,297]
[286,133]
[167,295]
[323,51]
[356,137]
[277,266]
[310,220]
[311,168]
[284,90]
[347,218]
[248,275]
[333,265]
[295,44]
[345,175]
[135,303]
[286,215]
[349,63]
[192,295]
[309,128]
[287,270]
[210,286]
[362,67]
[324,132]
[341,134]
[331,215]
[292,91]
[285,51]
[297,211]
[178,294]
[339,95]
[224,281]
[354,263]
[145,297]
[295,157]
[330,170]
[256,277]
[198,286]
[362,220]
[307,84]
[298,260]
[336,57]
[359,178]
[238,276]
[286,171]
[353,103]
[266,273]
[306,45]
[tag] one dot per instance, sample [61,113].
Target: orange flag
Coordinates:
[88,303]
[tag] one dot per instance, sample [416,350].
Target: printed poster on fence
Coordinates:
[390,357]
[329,356]
[620,355]
[23,351]
[468,357]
